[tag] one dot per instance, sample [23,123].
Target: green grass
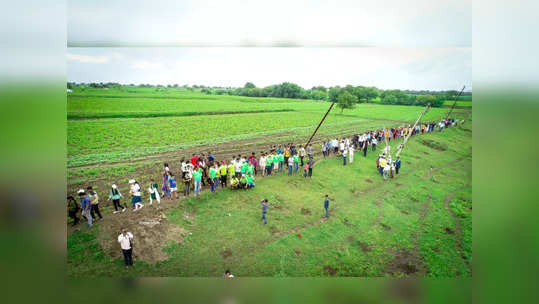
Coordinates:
[358,212]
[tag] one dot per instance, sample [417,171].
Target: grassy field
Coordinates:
[120,124]
[418,224]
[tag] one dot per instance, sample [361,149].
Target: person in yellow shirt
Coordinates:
[223,172]
[383,163]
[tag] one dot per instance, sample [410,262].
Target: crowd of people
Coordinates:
[239,173]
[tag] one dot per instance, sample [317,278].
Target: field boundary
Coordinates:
[166,114]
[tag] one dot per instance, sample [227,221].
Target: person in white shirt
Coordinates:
[335,145]
[351,154]
[154,192]
[136,198]
[262,164]
[341,146]
[386,170]
[125,239]
[227,274]
[184,167]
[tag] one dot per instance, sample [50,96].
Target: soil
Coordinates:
[364,246]
[386,227]
[273,230]
[449,230]
[305,211]
[406,262]
[330,270]
[151,230]
[297,252]
[225,254]
[433,144]
[368,180]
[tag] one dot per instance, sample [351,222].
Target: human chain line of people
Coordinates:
[240,173]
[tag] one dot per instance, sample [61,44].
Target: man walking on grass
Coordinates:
[265,205]
[326,206]
[125,239]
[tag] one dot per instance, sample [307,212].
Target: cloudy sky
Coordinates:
[389,44]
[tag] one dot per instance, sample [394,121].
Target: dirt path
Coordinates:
[458,228]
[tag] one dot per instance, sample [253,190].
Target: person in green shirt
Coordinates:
[213,178]
[269,161]
[243,181]
[296,163]
[250,180]
[197,177]
[223,172]
[280,156]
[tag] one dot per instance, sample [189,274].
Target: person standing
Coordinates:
[344,153]
[324,149]
[136,197]
[290,165]
[296,163]
[173,185]
[351,153]
[397,165]
[311,164]
[269,166]
[126,243]
[213,179]
[281,161]
[72,209]
[154,192]
[115,195]
[164,188]
[265,206]
[302,153]
[223,173]
[262,164]
[86,206]
[306,170]
[197,176]
[373,142]
[187,182]
[326,206]
[94,199]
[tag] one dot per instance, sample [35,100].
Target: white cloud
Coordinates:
[146,65]
[87,58]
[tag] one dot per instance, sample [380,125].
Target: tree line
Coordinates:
[345,97]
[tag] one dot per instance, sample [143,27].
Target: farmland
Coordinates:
[418,224]
[114,125]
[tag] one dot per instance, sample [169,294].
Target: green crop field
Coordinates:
[118,124]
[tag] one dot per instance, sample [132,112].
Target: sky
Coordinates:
[388,44]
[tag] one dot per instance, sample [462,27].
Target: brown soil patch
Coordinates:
[305,211]
[151,230]
[273,230]
[386,227]
[368,180]
[398,185]
[413,199]
[225,254]
[330,270]
[449,230]
[346,222]
[364,246]
[433,144]
[297,252]
[405,262]
[405,212]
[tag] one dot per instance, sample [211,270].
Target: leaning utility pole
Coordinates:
[401,146]
[323,118]
[454,103]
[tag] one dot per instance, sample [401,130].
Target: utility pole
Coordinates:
[401,146]
[323,118]
[454,103]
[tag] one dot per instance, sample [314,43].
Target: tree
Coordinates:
[249,85]
[346,101]
[423,100]
[333,94]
